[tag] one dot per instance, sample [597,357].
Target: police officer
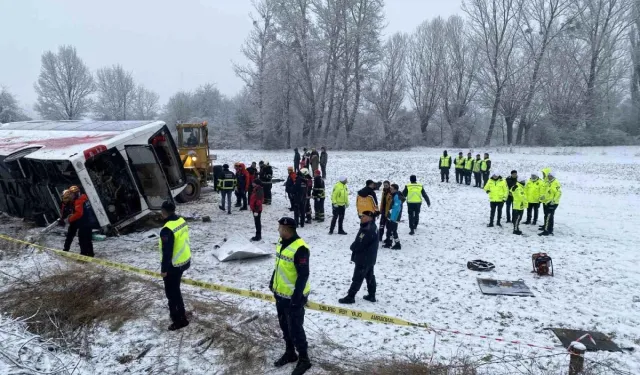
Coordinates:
[445,166]
[477,173]
[468,167]
[414,193]
[485,168]
[318,196]
[176,258]
[550,195]
[364,251]
[290,285]
[227,183]
[459,163]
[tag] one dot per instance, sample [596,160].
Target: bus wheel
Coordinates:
[191,192]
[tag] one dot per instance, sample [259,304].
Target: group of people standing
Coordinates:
[465,167]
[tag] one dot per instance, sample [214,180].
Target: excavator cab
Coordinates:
[193,144]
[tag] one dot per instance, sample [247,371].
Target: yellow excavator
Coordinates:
[193,144]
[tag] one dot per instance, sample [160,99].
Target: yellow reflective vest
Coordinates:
[532,190]
[519,197]
[445,161]
[551,192]
[181,244]
[468,164]
[459,162]
[476,165]
[483,165]
[285,274]
[497,190]
[414,193]
[340,195]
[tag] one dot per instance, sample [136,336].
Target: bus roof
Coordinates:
[60,140]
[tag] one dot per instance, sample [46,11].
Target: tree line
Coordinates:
[504,72]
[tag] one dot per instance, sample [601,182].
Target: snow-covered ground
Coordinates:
[595,254]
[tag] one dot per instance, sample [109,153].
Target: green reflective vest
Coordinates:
[459,162]
[445,161]
[414,193]
[476,166]
[340,195]
[483,165]
[468,164]
[181,244]
[285,275]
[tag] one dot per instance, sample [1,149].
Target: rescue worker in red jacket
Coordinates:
[66,209]
[84,218]
[255,203]
[290,188]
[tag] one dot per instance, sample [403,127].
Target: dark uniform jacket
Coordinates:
[301,262]
[296,159]
[167,238]
[364,250]
[301,188]
[511,182]
[323,158]
[318,187]
[266,174]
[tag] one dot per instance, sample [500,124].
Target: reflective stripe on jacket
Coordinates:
[483,165]
[532,190]
[459,162]
[181,244]
[497,190]
[340,195]
[468,164]
[445,161]
[285,275]
[476,165]
[414,193]
[519,197]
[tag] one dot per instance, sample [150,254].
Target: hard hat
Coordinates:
[304,171]
[74,189]
[289,168]
[67,196]
[317,172]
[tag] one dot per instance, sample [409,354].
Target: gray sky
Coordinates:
[169,45]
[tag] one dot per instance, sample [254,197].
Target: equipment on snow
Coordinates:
[542,264]
[480,265]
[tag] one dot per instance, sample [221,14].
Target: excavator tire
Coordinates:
[191,192]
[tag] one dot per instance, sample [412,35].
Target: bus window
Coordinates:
[150,177]
[163,145]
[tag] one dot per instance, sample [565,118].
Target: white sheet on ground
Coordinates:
[237,247]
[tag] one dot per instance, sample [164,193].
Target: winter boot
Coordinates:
[545,233]
[349,299]
[412,232]
[527,222]
[289,356]
[517,232]
[490,225]
[303,365]
[331,231]
[498,224]
[387,243]
[396,246]
[342,232]
[256,238]
[541,227]
[178,324]
[222,208]
[370,298]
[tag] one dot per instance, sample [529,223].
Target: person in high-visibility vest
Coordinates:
[550,199]
[497,190]
[340,202]
[414,192]
[290,286]
[532,190]
[459,163]
[477,174]
[519,201]
[485,168]
[445,165]
[175,254]
[468,167]
[227,183]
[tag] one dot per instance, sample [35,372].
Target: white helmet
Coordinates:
[304,171]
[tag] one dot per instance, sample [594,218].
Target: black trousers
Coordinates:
[225,195]
[256,220]
[414,214]
[517,218]
[509,203]
[241,199]
[71,234]
[292,198]
[383,223]
[485,178]
[496,206]
[477,176]
[85,240]
[299,211]
[338,214]
[392,230]
[535,208]
[174,296]
[361,273]
[324,170]
[291,321]
[267,191]
[549,213]
[459,175]
[308,204]
[318,207]
[444,174]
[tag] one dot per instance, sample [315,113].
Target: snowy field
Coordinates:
[595,252]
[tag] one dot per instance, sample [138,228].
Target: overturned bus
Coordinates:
[126,168]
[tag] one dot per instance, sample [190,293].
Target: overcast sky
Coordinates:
[169,45]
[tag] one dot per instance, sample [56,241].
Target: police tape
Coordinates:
[356,314]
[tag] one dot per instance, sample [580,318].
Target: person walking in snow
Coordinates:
[444,165]
[394,218]
[290,286]
[459,163]
[296,160]
[496,188]
[414,192]
[550,198]
[519,200]
[226,184]
[318,196]
[364,251]
[324,158]
[532,191]
[255,203]
[175,260]
[339,202]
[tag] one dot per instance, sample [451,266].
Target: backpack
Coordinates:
[542,264]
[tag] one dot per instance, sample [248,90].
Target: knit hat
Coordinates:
[413,178]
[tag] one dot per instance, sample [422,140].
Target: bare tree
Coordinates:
[459,78]
[116,94]
[179,108]
[64,86]
[145,104]
[388,84]
[634,37]
[496,23]
[9,109]
[425,65]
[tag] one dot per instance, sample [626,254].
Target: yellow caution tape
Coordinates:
[356,314]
